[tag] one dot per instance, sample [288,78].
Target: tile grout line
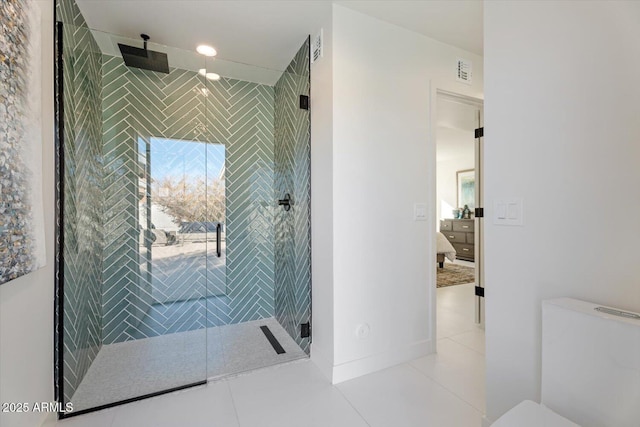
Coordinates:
[113,417]
[438,382]
[481,411]
[233,401]
[440,310]
[465,345]
[351,404]
[468,347]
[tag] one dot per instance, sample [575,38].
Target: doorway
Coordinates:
[459,266]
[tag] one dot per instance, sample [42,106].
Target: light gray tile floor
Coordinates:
[441,390]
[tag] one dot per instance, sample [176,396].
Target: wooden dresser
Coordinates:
[460,232]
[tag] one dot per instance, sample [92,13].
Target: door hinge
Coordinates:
[479,291]
[480,132]
[304,102]
[305,330]
[479,213]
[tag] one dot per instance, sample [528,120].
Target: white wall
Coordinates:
[26,304]
[381,157]
[321,104]
[562,131]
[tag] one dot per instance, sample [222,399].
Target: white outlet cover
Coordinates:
[363,331]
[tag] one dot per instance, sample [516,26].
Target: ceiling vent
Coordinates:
[464,71]
[316,47]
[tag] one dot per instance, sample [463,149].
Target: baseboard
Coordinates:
[486,422]
[377,362]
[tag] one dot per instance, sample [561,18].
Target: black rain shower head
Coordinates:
[144,58]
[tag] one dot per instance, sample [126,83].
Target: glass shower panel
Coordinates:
[240,116]
[216,203]
[293,181]
[81,233]
[240,112]
[135,272]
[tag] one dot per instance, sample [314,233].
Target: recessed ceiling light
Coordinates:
[205,50]
[209,76]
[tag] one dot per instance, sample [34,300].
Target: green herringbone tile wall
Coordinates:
[82,208]
[139,104]
[292,175]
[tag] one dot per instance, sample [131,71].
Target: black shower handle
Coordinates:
[286,202]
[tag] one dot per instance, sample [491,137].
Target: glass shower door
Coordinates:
[133,284]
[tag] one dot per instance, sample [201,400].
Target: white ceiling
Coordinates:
[191,60]
[261,33]
[455,22]
[268,33]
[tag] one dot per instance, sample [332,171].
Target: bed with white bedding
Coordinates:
[445,250]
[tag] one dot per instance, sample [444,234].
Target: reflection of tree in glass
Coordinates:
[190,200]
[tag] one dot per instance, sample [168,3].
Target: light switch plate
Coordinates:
[420,212]
[501,211]
[508,212]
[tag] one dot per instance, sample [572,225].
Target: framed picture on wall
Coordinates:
[466,181]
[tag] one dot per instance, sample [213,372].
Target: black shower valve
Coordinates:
[286,202]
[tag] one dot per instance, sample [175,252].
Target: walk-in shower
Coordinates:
[176,263]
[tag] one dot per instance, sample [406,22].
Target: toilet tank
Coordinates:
[590,364]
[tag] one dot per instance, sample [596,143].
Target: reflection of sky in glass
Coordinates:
[188,159]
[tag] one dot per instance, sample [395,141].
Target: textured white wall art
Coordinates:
[22,247]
